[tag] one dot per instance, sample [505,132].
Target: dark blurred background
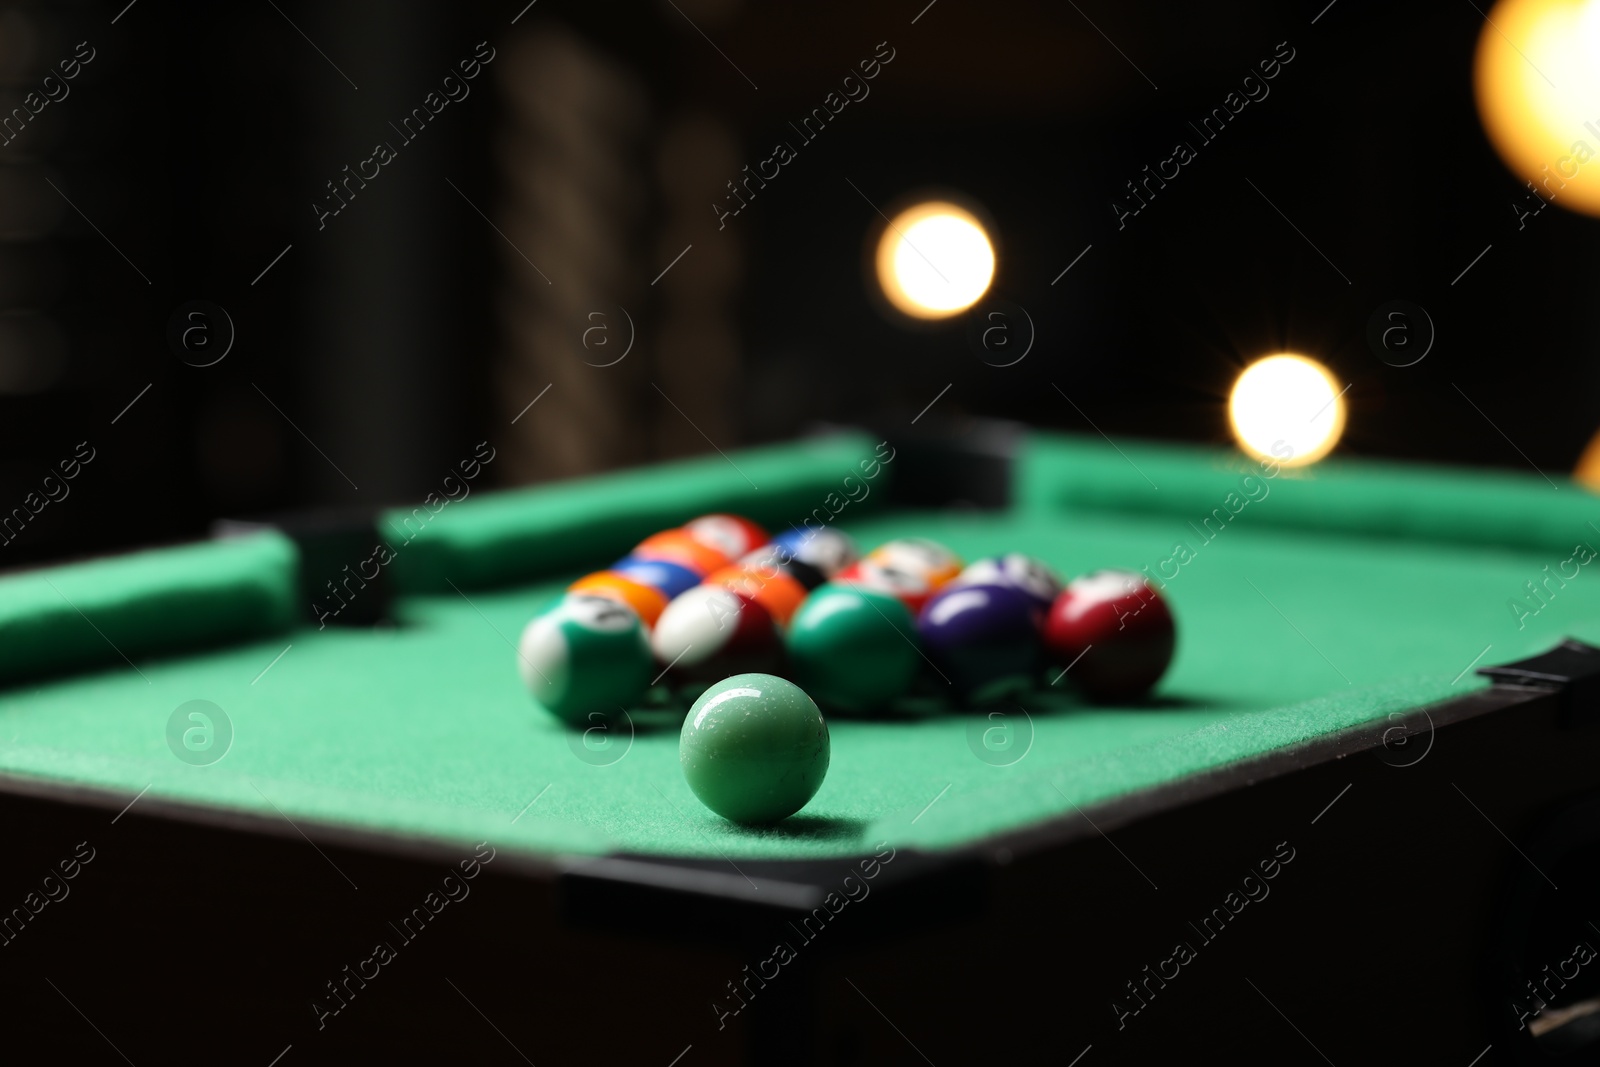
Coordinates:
[562,211]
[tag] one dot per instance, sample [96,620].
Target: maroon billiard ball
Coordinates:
[1114,631]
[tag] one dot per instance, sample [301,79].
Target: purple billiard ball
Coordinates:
[984,639]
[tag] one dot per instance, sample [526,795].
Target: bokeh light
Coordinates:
[1538,86]
[1288,408]
[934,260]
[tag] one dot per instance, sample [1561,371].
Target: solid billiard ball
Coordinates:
[754,748]
[1114,631]
[828,550]
[583,655]
[853,649]
[984,639]
[1018,571]
[670,578]
[732,535]
[710,632]
[934,562]
[647,601]
[911,588]
[773,588]
[677,546]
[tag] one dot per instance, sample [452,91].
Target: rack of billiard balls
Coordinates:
[758,632]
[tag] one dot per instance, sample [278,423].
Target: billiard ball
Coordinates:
[773,588]
[670,578]
[754,748]
[828,550]
[773,558]
[984,639]
[1018,571]
[710,632]
[934,562]
[732,535]
[647,601]
[1114,631]
[911,588]
[583,655]
[852,648]
[676,546]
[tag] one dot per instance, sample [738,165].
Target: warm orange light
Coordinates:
[1287,408]
[934,260]
[1538,86]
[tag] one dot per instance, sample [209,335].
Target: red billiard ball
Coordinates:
[732,535]
[710,632]
[1115,632]
[911,588]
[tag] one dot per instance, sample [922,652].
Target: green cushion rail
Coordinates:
[152,602]
[500,538]
[1339,495]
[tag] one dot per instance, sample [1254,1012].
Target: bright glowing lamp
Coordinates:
[1287,408]
[934,260]
[1537,76]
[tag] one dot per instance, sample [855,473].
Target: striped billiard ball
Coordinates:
[828,550]
[1018,571]
[932,561]
[585,654]
[732,535]
[647,601]
[911,588]
[1114,631]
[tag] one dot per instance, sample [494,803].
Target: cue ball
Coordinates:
[754,748]
[1120,626]
[585,654]
[983,638]
[711,632]
[853,649]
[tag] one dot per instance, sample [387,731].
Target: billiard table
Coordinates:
[282,793]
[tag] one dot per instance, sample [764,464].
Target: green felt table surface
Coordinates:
[1289,628]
